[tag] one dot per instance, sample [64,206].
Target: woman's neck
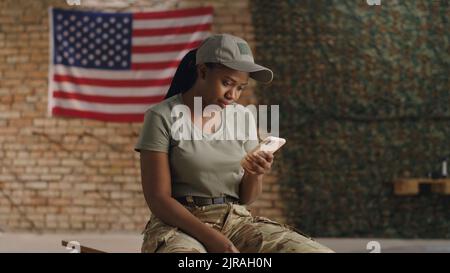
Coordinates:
[188,98]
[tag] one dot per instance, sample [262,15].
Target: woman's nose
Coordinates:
[231,94]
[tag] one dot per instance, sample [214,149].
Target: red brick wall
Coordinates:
[60,174]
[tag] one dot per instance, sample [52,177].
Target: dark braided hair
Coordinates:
[186,74]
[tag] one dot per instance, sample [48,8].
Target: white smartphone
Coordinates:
[269,144]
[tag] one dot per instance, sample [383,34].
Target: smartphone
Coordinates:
[269,144]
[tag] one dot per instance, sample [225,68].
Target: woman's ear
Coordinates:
[201,71]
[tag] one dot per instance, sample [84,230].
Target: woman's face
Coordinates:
[221,85]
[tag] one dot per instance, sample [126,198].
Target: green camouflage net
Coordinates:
[364,97]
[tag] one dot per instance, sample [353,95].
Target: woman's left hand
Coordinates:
[258,163]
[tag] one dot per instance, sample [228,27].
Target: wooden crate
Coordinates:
[410,186]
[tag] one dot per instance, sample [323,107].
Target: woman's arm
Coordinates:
[250,188]
[156,184]
[255,167]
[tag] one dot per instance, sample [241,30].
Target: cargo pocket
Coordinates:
[156,234]
[241,211]
[261,219]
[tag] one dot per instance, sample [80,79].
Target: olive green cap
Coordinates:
[233,52]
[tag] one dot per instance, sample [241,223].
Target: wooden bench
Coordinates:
[410,186]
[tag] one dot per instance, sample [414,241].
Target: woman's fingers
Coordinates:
[260,170]
[258,163]
[248,165]
[261,161]
[268,156]
[249,170]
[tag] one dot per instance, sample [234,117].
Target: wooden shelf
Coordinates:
[410,186]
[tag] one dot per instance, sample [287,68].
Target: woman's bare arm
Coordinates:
[156,184]
[256,165]
[250,188]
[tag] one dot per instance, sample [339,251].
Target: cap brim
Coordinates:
[256,71]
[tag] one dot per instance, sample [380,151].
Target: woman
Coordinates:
[196,189]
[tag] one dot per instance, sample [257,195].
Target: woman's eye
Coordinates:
[226,83]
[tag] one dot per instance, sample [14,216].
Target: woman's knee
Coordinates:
[289,241]
[302,245]
[282,238]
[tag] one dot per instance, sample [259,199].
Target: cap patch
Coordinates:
[244,49]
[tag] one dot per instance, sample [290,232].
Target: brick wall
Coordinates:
[60,174]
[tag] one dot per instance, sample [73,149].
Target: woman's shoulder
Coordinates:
[164,107]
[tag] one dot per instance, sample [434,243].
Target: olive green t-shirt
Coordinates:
[207,167]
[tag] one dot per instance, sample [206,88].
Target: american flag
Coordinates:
[113,66]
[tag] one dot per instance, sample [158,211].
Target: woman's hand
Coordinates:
[219,243]
[258,163]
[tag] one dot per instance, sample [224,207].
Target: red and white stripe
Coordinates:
[159,41]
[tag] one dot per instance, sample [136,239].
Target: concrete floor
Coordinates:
[130,242]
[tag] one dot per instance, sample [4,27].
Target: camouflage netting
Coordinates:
[364,97]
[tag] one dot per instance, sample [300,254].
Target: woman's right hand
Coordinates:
[219,243]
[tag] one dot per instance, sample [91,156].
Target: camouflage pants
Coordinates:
[251,234]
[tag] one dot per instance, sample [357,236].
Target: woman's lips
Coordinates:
[224,103]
